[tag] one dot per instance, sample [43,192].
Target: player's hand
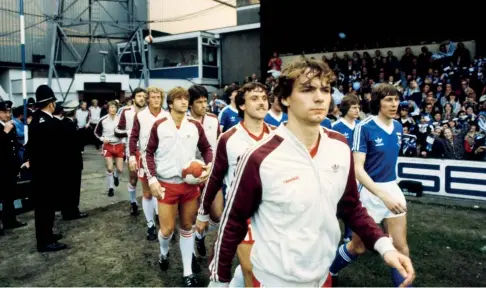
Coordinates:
[201,226]
[106,141]
[8,127]
[207,169]
[394,205]
[157,190]
[403,264]
[132,165]
[26,165]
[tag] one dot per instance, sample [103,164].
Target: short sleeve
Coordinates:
[360,138]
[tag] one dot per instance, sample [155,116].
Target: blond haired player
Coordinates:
[292,185]
[123,130]
[173,142]
[113,148]
[142,124]
[252,104]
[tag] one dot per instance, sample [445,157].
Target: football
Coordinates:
[192,171]
[149,39]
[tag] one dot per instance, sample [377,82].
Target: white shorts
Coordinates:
[375,206]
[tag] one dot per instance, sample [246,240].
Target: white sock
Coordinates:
[156,205]
[109,179]
[148,211]
[238,279]
[186,243]
[132,192]
[164,244]
[115,174]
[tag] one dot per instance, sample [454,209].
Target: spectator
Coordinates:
[448,112]
[275,62]
[448,146]
[439,96]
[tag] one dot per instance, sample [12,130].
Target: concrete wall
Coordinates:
[248,14]
[240,55]
[191,15]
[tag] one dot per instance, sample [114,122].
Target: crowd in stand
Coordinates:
[443,94]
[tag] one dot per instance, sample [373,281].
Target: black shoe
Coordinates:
[2,232]
[196,268]
[78,215]
[134,208]
[15,224]
[190,281]
[116,181]
[111,192]
[164,263]
[152,233]
[200,247]
[57,236]
[52,247]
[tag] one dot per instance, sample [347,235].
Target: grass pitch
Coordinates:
[447,244]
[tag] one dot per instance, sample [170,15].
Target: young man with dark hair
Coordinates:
[376,145]
[252,104]
[198,102]
[173,142]
[349,109]
[292,185]
[275,116]
[123,130]
[228,116]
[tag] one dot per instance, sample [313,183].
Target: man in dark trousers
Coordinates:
[72,153]
[9,167]
[45,163]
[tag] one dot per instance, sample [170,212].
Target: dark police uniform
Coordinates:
[9,169]
[71,180]
[45,164]
[61,147]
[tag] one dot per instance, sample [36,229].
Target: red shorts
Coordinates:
[249,236]
[141,172]
[179,193]
[114,150]
[327,283]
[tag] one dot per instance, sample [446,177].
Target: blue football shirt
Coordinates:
[346,129]
[381,144]
[272,119]
[228,117]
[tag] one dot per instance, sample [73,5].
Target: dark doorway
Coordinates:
[103,92]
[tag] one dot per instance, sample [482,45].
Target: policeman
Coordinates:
[61,147]
[58,111]
[31,105]
[45,163]
[73,154]
[9,167]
